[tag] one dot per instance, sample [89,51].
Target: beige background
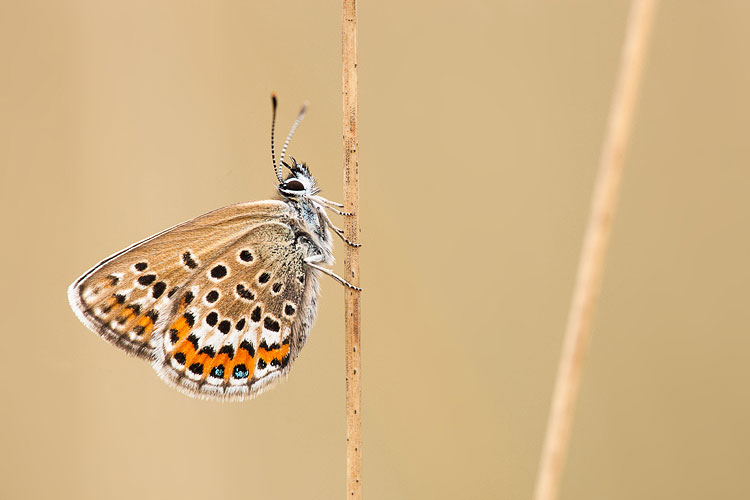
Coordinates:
[480,130]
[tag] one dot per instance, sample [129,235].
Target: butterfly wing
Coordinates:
[134,296]
[248,315]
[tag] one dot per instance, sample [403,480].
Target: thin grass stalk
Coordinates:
[593,252]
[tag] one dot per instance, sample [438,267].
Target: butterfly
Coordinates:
[221,304]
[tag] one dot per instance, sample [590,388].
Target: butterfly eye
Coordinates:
[294,185]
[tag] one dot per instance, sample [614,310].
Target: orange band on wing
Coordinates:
[187,349]
[197,364]
[147,323]
[278,353]
[180,327]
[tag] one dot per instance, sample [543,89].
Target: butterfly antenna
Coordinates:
[300,116]
[274,104]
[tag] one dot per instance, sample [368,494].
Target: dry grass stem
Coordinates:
[351,262]
[593,252]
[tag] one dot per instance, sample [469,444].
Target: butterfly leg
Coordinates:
[338,231]
[336,211]
[331,274]
[329,202]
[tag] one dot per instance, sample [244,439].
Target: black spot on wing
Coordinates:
[225,326]
[245,292]
[208,350]
[189,319]
[228,350]
[146,279]
[248,347]
[187,259]
[158,289]
[193,340]
[273,347]
[271,324]
[246,256]
[219,271]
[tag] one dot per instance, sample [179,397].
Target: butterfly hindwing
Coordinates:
[247,317]
[128,296]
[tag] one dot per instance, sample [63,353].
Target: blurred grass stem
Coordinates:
[592,256]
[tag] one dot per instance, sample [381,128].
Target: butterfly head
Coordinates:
[299,183]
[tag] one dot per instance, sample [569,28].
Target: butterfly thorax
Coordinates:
[311,230]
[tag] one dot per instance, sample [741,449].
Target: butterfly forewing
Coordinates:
[154,299]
